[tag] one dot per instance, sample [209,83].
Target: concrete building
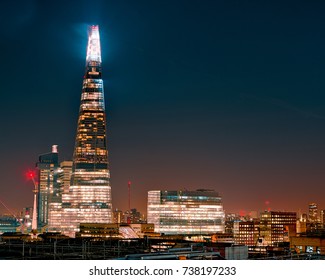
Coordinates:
[118,216]
[277,226]
[246,233]
[308,244]
[322,218]
[312,213]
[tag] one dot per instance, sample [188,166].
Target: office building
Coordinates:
[246,232]
[312,213]
[89,196]
[277,227]
[47,166]
[63,177]
[118,216]
[186,212]
[8,224]
[133,216]
[322,218]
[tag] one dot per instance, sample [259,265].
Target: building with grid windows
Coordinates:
[63,177]
[312,213]
[246,232]
[186,212]
[277,226]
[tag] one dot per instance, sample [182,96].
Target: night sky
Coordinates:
[225,95]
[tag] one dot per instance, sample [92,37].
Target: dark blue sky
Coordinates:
[227,95]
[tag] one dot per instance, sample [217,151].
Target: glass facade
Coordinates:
[47,166]
[63,175]
[8,224]
[186,212]
[89,196]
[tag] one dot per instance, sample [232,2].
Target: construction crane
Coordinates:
[31,175]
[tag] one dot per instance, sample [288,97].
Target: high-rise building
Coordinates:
[186,212]
[47,166]
[322,218]
[63,177]
[312,213]
[89,197]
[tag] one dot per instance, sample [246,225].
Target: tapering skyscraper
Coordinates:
[89,197]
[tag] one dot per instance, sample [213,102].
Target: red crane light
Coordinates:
[30,175]
[242,213]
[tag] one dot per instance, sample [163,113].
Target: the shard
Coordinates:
[89,197]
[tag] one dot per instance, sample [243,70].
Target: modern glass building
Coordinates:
[89,197]
[47,166]
[186,212]
[8,224]
[63,177]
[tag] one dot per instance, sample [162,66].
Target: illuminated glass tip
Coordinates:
[93,50]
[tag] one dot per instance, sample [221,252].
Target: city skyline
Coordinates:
[224,96]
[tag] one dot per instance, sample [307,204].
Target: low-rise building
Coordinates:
[186,212]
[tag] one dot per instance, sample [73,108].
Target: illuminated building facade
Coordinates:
[89,197]
[47,166]
[246,232]
[63,176]
[312,213]
[186,212]
[301,226]
[277,226]
[118,216]
[322,218]
[133,216]
[8,224]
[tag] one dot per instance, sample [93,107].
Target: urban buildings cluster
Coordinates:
[77,192]
[74,197]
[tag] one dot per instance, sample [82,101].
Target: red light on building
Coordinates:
[30,175]
[242,213]
[267,205]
